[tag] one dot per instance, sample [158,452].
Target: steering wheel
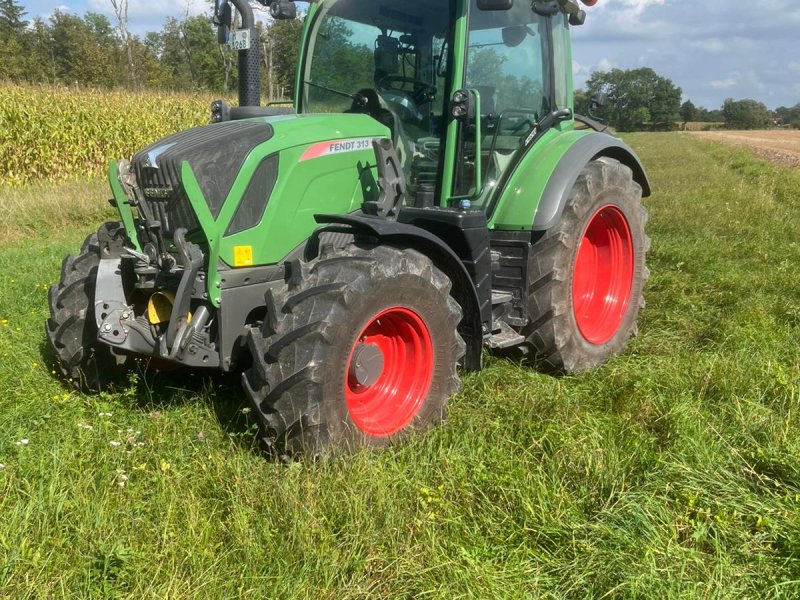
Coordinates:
[425,91]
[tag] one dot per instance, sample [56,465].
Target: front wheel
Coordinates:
[588,273]
[72,330]
[361,352]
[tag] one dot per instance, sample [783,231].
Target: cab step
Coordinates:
[504,338]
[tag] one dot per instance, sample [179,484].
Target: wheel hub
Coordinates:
[389,372]
[366,365]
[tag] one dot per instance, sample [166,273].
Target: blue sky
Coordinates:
[713,49]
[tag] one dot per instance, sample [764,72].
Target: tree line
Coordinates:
[184,55]
[640,99]
[90,50]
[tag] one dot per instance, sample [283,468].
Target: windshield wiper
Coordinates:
[359,98]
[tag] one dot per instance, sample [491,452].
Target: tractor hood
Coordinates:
[218,153]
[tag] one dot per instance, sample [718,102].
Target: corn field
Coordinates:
[57,133]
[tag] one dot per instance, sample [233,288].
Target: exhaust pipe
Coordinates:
[250,59]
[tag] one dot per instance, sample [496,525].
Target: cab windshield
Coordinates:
[386,59]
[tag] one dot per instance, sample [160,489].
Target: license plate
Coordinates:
[240,39]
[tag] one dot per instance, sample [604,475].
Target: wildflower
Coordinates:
[84,426]
[35,365]
[2,466]
[105,414]
[114,443]
[23,442]
[201,435]
[164,465]
[122,479]
[4,322]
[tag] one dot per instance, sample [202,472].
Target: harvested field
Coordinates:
[781,146]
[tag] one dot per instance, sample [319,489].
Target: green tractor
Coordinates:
[431,193]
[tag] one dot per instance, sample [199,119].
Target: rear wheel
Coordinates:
[588,273]
[361,352]
[72,329]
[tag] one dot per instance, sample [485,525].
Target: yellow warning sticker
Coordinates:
[242,256]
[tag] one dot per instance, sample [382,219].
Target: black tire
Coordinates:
[302,352]
[554,341]
[71,328]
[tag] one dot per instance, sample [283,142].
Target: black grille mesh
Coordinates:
[216,154]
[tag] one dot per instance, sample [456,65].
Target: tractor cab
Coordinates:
[396,62]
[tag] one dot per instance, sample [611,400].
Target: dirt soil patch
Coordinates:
[780,146]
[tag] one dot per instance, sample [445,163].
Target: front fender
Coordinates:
[443,257]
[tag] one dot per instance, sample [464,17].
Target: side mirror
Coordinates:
[598,100]
[224,22]
[495,4]
[283,10]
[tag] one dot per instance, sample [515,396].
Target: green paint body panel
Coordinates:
[123,205]
[521,196]
[327,184]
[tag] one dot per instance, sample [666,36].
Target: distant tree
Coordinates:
[582,103]
[200,43]
[709,116]
[13,41]
[746,114]
[788,115]
[281,49]
[172,55]
[688,112]
[84,50]
[40,64]
[11,21]
[121,12]
[636,98]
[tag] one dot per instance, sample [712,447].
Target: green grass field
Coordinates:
[674,472]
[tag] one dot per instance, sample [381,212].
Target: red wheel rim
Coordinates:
[387,400]
[603,275]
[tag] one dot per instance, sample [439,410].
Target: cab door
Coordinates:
[508,68]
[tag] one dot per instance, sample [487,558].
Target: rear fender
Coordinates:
[537,189]
[442,256]
[563,179]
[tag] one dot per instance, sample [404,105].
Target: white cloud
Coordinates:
[639,6]
[712,45]
[729,82]
[605,65]
[148,9]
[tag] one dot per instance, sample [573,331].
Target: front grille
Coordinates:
[163,196]
[216,154]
